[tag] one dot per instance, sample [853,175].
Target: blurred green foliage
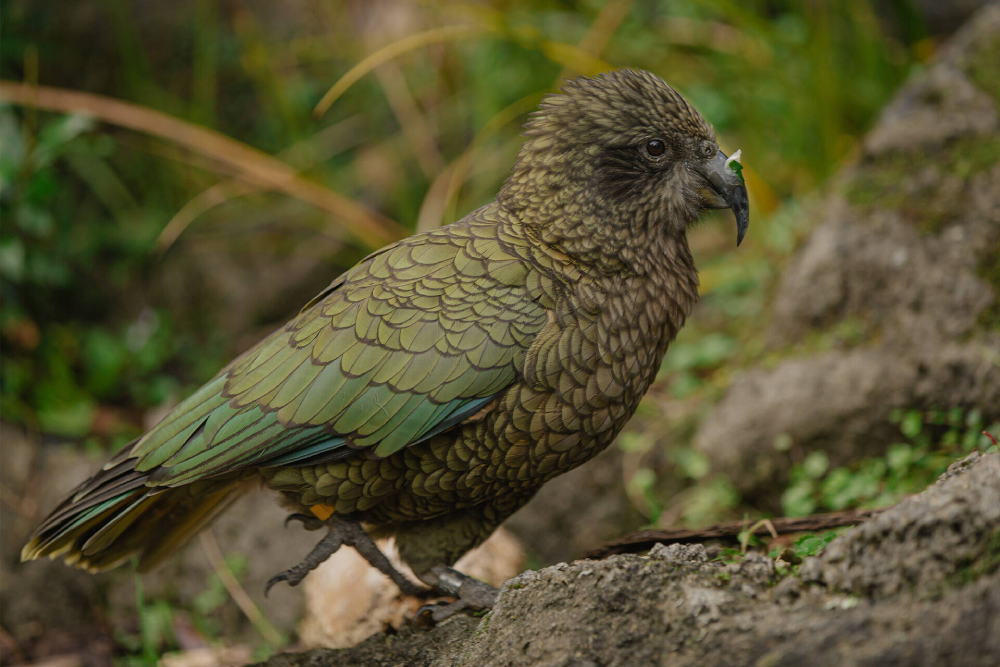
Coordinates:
[932,440]
[65,258]
[155,631]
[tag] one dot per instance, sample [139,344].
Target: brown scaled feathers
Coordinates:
[434,387]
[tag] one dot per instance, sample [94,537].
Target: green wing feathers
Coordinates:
[408,339]
[409,342]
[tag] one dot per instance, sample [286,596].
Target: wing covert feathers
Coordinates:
[399,344]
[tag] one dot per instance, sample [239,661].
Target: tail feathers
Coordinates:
[114,516]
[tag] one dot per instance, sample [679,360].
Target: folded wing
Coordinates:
[408,343]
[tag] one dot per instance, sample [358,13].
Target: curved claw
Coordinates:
[276,579]
[342,531]
[433,608]
[293,576]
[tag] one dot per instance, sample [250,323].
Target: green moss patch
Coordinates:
[987,563]
[983,68]
[887,182]
[988,269]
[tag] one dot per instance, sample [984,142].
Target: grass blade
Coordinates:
[369,227]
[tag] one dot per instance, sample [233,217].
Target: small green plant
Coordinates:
[932,440]
[811,544]
[156,632]
[729,555]
[210,600]
[643,486]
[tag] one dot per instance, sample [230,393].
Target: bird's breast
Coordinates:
[583,378]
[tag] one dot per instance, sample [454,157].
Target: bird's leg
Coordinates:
[365,546]
[343,531]
[471,593]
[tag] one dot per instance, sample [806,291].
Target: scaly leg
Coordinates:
[343,531]
[430,547]
[471,593]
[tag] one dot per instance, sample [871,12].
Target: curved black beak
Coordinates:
[725,190]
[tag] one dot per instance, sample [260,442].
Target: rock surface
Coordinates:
[918,585]
[907,247]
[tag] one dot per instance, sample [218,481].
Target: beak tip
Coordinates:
[742,224]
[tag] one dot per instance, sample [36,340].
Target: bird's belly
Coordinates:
[528,438]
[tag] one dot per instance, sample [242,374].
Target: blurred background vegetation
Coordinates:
[135,263]
[236,156]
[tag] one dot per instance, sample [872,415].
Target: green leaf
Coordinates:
[912,424]
[811,544]
[693,463]
[12,261]
[54,136]
[899,456]
[738,169]
[643,479]
[797,500]
[72,420]
[816,464]
[710,501]
[708,352]
[34,221]
[104,359]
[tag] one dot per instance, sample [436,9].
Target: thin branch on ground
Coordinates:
[645,540]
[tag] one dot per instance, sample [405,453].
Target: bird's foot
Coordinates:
[323,550]
[472,594]
[343,531]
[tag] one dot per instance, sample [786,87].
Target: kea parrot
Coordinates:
[429,391]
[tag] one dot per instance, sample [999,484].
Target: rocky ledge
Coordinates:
[917,585]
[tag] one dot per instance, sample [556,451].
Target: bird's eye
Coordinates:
[655,147]
[707,150]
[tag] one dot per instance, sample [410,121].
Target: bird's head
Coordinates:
[621,158]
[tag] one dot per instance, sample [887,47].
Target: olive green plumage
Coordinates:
[431,389]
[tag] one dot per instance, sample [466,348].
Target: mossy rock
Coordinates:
[983,67]
[893,181]
[988,269]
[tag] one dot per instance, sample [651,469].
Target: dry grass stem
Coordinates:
[371,228]
[235,590]
[390,51]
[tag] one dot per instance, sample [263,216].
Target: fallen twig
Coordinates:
[645,539]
